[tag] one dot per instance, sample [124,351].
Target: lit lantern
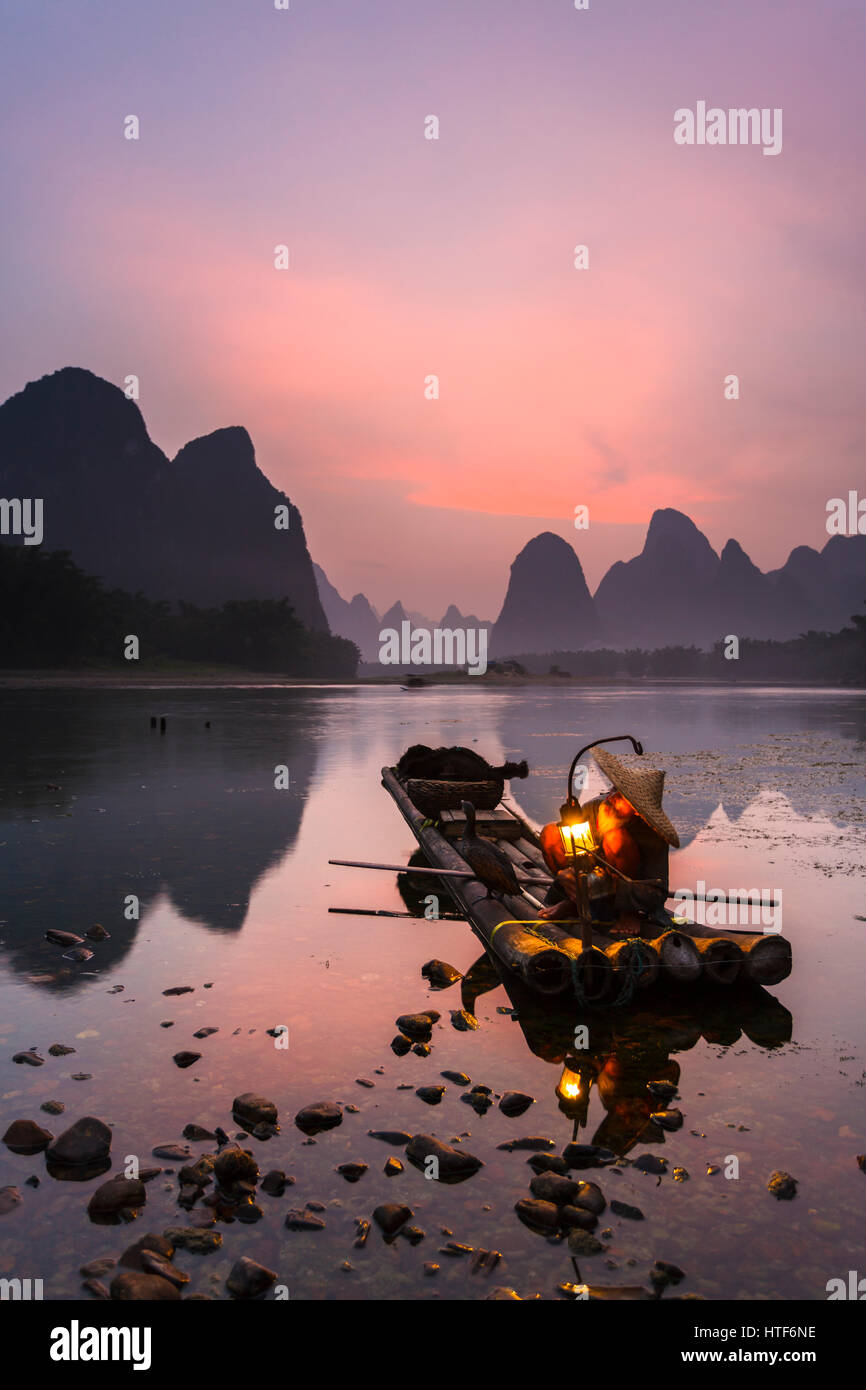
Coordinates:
[574,1088]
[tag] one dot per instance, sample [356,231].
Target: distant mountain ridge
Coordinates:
[199,528]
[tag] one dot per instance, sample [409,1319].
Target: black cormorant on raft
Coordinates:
[488,862]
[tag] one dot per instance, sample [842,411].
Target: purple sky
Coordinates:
[454,257]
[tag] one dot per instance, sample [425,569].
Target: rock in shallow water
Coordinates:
[390,1216]
[87,1141]
[322,1115]
[440,974]
[248,1279]
[515,1103]
[782,1185]
[134,1287]
[26,1137]
[352,1172]
[451,1166]
[431,1095]
[185,1059]
[196,1240]
[254,1109]
[115,1197]
[418,1026]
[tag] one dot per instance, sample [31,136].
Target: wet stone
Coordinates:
[459,1078]
[452,1165]
[667,1119]
[587,1156]
[537,1215]
[390,1216]
[418,1026]
[650,1163]
[431,1095]
[26,1137]
[133,1287]
[114,1197]
[97,933]
[550,1187]
[352,1172]
[63,938]
[248,1279]
[535,1143]
[156,1244]
[29,1059]
[322,1115]
[197,1240]
[463,1021]
[185,1059]
[440,974]
[624,1209]
[85,1142]
[548,1163]
[782,1185]
[393,1166]
[60,1050]
[304,1221]
[421,1049]
[197,1133]
[398,1137]
[179,989]
[400,1045]
[583,1243]
[78,954]
[173,1152]
[253,1109]
[53,1107]
[275,1182]
[515,1103]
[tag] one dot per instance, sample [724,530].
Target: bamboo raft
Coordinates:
[547,956]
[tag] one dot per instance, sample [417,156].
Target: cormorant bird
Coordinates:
[487,861]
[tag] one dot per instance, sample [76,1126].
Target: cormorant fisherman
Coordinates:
[630,832]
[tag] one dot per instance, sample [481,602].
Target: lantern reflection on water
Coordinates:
[574,1088]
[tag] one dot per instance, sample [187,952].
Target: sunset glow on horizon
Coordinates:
[454,257]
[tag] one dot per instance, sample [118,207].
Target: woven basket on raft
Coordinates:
[431,797]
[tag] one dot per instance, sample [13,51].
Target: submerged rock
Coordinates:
[236,1170]
[64,938]
[463,1021]
[60,1050]
[297,1220]
[393,1166]
[391,1136]
[29,1059]
[431,1095]
[548,1163]
[254,1109]
[248,1279]
[324,1114]
[583,1243]
[587,1156]
[667,1119]
[782,1185]
[515,1103]
[86,1142]
[195,1239]
[390,1216]
[651,1163]
[400,1045]
[135,1287]
[537,1215]
[79,954]
[26,1137]
[185,1059]
[158,1245]
[623,1209]
[114,1197]
[179,989]
[551,1187]
[452,1165]
[352,1172]
[537,1143]
[275,1182]
[440,974]
[662,1090]
[53,1107]
[459,1078]
[174,1152]
[197,1133]
[418,1026]
[97,933]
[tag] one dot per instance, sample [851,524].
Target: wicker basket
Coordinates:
[431,797]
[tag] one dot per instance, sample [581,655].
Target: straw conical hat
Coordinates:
[643,787]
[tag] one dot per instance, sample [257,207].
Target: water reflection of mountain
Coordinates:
[629,1048]
[722,748]
[95,806]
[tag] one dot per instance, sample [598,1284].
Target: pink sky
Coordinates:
[409,257]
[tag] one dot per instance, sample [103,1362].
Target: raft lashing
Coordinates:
[547,956]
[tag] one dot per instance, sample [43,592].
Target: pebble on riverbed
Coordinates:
[322,1115]
[452,1165]
[248,1279]
[26,1137]
[782,1185]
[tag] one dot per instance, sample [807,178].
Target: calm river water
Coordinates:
[767,788]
